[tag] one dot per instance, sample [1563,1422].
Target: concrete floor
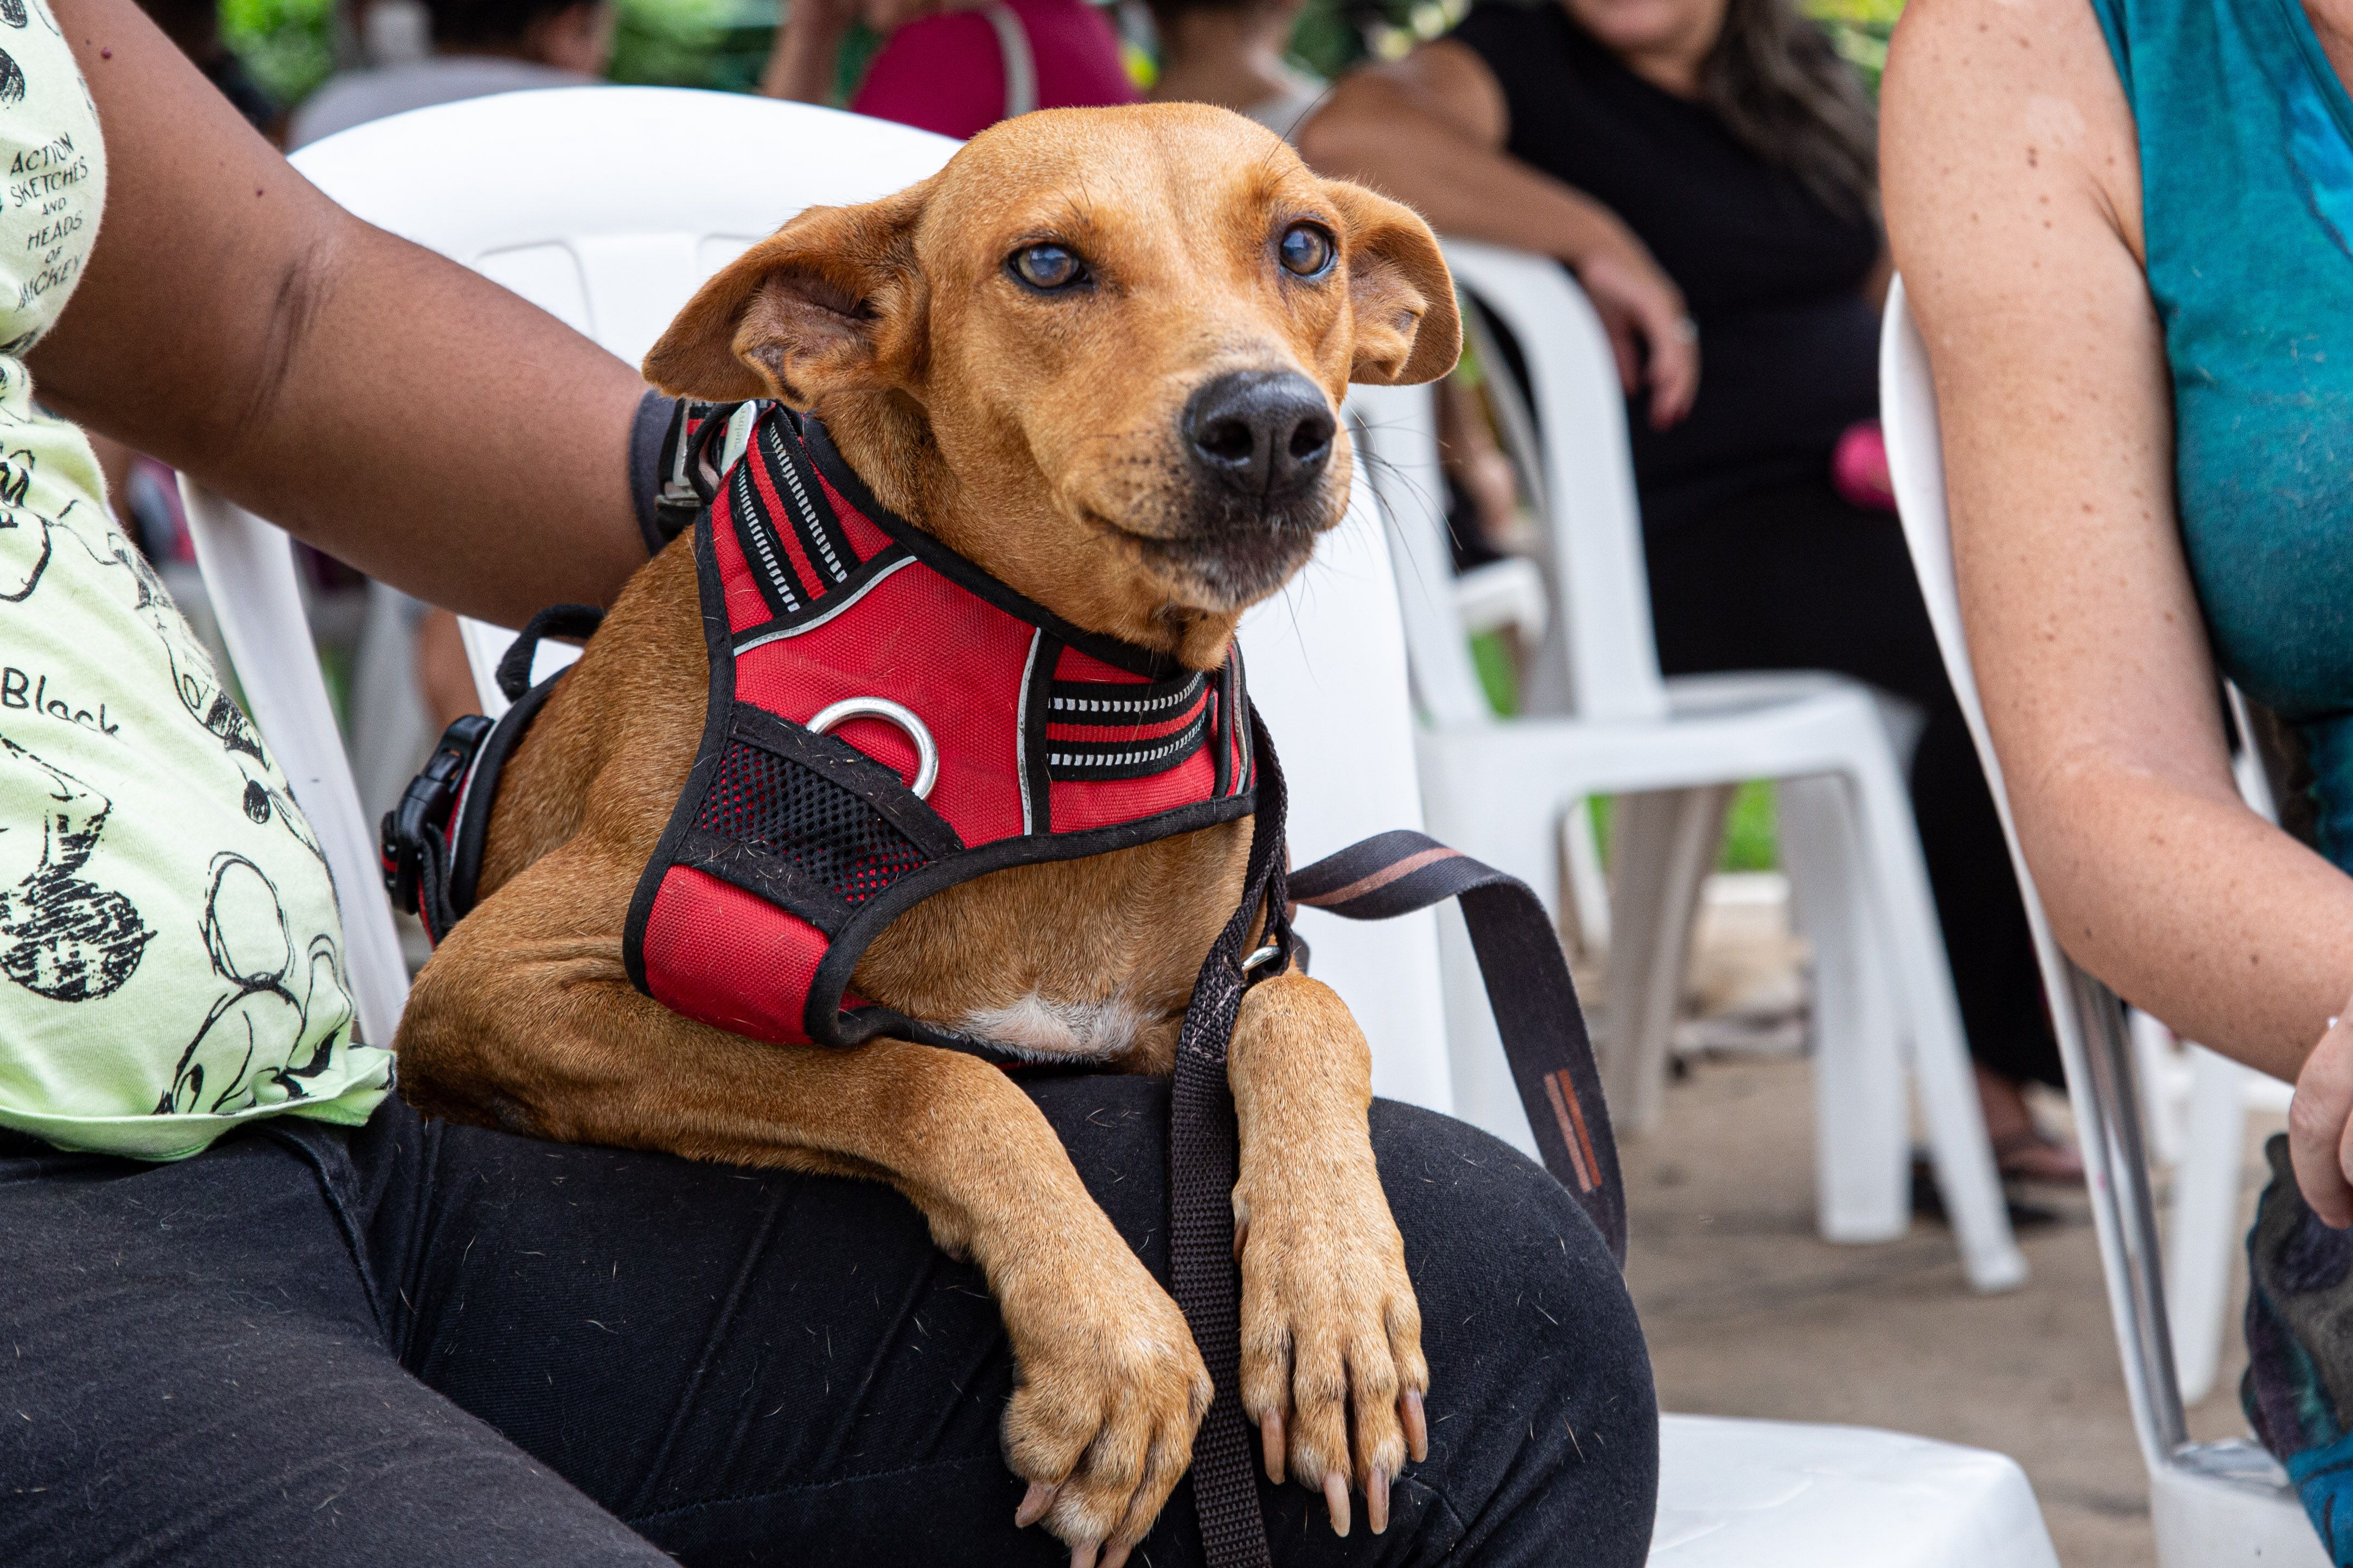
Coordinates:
[1749,1313]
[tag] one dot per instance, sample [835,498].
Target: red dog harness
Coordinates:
[886,721]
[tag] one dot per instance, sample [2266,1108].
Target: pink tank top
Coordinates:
[947,73]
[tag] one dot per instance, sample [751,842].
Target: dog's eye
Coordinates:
[1307,250]
[1046,267]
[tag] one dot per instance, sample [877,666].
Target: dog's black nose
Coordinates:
[1261,432]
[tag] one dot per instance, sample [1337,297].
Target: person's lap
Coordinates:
[734,1364]
[196,1374]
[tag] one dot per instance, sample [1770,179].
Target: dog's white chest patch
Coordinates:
[1102,1029]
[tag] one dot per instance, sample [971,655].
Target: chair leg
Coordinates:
[1515,832]
[1861,1117]
[1665,842]
[1584,886]
[2164,1070]
[1958,1144]
[2206,1219]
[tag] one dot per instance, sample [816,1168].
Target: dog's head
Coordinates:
[1102,354]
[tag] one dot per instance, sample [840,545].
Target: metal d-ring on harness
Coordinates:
[863,844]
[927,750]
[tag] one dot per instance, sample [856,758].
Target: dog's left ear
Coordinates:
[1402,297]
[833,301]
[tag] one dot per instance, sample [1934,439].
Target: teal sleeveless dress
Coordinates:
[2246,151]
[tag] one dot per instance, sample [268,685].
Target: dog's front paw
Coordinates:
[1112,1390]
[1331,1334]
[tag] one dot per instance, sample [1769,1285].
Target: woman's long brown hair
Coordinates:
[1781,88]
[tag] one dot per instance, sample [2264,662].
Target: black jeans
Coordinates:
[420,1345]
[1796,578]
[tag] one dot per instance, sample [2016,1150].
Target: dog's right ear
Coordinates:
[831,302]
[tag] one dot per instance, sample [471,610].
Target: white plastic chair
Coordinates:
[2198,1102]
[248,569]
[1672,750]
[1779,1494]
[2215,1505]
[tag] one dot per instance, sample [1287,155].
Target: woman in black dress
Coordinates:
[1708,170]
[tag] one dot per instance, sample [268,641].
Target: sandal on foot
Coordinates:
[2030,1155]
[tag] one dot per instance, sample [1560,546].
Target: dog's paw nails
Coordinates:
[1417,1424]
[1377,1499]
[1036,1504]
[1335,1500]
[1270,1431]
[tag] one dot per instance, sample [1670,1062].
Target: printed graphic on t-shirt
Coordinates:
[265,1018]
[62,937]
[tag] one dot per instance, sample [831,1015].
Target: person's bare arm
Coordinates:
[389,406]
[2013,191]
[1430,130]
[802,64]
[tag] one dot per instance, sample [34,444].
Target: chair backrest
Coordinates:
[2093,1040]
[1327,669]
[1395,432]
[1600,657]
[607,206]
[250,575]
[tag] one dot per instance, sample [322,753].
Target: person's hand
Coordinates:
[1656,340]
[2319,1141]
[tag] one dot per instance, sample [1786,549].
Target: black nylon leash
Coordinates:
[1528,987]
[1544,1039]
[1203,1163]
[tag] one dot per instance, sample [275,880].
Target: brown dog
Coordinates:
[1011,355]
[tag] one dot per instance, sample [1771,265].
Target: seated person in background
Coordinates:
[1718,151]
[1229,52]
[956,68]
[479,47]
[2122,225]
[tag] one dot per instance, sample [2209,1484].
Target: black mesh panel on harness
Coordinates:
[814,824]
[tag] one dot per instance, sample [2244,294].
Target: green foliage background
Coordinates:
[289,45]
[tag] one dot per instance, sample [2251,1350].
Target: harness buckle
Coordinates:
[409,829]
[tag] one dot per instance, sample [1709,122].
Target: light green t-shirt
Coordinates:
[171,960]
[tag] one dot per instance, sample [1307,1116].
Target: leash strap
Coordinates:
[1544,1039]
[1203,1163]
[1528,987]
[578,621]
